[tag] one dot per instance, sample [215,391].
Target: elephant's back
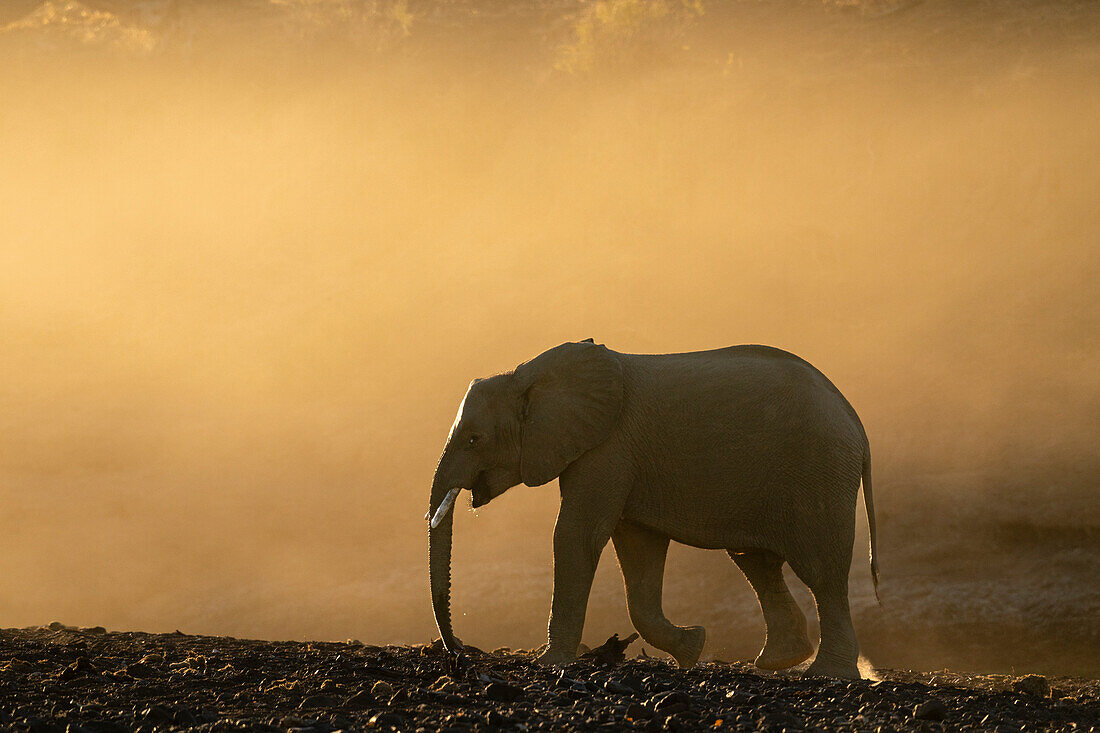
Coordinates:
[743,359]
[750,432]
[752,372]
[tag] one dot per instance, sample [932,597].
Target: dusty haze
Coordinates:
[251,253]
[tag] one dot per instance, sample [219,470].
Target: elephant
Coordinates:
[747,449]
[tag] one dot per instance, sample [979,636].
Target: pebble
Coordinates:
[931,709]
[317,701]
[671,702]
[360,700]
[78,668]
[617,688]
[332,686]
[386,720]
[1034,684]
[503,692]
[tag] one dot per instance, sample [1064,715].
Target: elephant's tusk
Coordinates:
[445,506]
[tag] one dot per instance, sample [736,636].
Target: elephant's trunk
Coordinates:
[439,563]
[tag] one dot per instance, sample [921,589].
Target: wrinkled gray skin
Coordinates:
[748,449]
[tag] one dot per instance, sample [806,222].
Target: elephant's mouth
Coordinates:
[480,492]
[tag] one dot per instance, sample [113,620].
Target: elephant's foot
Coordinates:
[691,647]
[551,657]
[825,667]
[786,642]
[784,653]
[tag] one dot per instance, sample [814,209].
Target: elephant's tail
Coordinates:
[869,502]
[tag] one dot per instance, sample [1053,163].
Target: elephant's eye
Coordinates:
[474,440]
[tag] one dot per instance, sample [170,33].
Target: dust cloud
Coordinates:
[251,253]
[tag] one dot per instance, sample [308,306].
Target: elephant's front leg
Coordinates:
[642,559]
[579,537]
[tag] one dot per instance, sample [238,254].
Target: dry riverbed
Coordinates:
[59,678]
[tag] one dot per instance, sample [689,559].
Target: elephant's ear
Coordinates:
[572,397]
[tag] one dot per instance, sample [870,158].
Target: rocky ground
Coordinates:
[59,678]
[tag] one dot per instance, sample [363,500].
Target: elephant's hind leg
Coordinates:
[642,555]
[839,651]
[785,640]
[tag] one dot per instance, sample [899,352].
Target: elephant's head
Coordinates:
[524,426]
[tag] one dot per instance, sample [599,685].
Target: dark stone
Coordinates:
[671,702]
[183,716]
[617,688]
[675,724]
[106,726]
[79,668]
[155,715]
[140,670]
[386,720]
[503,692]
[931,709]
[1036,685]
[782,720]
[317,701]
[495,719]
[42,725]
[359,700]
